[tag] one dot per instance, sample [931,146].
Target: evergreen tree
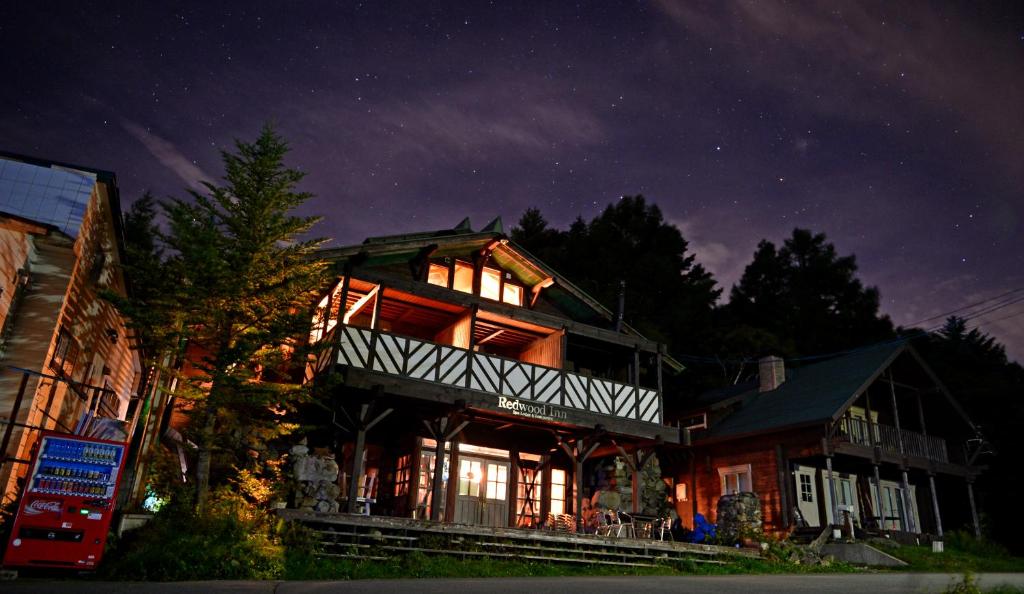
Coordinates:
[807,296]
[669,296]
[233,279]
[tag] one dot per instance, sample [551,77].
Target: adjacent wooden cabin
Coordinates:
[869,438]
[458,345]
[64,351]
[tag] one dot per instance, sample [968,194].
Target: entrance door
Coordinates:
[807,495]
[483,492]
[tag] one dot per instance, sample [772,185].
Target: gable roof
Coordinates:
[812,394]
[461,240]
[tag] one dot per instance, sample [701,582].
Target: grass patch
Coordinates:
[300,566]
[962,554]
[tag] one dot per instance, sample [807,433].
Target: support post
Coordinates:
[435,496]
[832,491]
[454,476]
[355,479]
[780,466]
[935,505]
[908,503]
[974,510]
[513,488]
[878,498]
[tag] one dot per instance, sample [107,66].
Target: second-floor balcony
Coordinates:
[892,440]
[516,386]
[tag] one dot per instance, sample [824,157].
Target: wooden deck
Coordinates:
[378,537]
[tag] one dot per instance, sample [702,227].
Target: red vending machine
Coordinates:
[67,503]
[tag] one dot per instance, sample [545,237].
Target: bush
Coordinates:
[232,540]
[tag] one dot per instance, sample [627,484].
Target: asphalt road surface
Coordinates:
[875,583]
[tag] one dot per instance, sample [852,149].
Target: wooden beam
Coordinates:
[491,336]
[358,305]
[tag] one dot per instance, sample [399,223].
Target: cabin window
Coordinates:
[512,294]
[681,492]
[490,283]
[470,474]
[806,489]
[735,479]
[463,277]
[845,492]
[438,275]
[557,491]
[497,481]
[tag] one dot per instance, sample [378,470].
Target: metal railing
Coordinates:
[531,385]
[890,439]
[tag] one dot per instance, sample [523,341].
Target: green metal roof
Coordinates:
[815,393]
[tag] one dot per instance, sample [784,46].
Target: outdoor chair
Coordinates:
[621,524]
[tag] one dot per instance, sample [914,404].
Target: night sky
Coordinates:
[896,128]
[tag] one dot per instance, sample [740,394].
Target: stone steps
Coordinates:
[376,537]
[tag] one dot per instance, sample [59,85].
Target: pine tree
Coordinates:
[244,281]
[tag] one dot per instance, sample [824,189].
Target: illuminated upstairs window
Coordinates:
[490,283]
[438,275]
[495,284]
[463,277]
[512,294]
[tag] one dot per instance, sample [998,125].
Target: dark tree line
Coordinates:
[799,299]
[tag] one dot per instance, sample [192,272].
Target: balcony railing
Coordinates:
[887,437]
[428,361]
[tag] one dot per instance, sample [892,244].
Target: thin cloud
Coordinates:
[168,155]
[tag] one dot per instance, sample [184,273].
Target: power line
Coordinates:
[983,301]
[984,311]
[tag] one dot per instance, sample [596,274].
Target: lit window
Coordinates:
[438,275]
[463,277]
[735,479]
[497,481]
[470,474]
[557,491]
[490,284]
[681,492]
[512,294]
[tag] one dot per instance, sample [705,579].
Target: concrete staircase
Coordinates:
[377,537]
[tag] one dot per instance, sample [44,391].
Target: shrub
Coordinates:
[231,540]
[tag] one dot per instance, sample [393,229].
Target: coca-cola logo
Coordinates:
[42,506]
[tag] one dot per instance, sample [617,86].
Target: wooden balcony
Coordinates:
[515,386]
[889,438]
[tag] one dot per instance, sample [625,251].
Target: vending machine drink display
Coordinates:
[67,503]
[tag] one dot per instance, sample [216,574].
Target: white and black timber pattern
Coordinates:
[453,366]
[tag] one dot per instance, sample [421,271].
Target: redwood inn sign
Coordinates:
[545,412]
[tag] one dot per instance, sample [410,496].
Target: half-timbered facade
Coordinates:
[869,440]
[458,345]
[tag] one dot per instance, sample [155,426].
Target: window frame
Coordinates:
[504,280]
[737,470]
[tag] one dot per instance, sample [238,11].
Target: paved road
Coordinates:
[875,583]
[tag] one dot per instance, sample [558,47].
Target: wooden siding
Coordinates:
[704,486]
[66,277]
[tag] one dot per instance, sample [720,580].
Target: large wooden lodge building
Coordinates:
[461,342]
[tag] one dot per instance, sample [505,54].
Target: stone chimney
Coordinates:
[771,371]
